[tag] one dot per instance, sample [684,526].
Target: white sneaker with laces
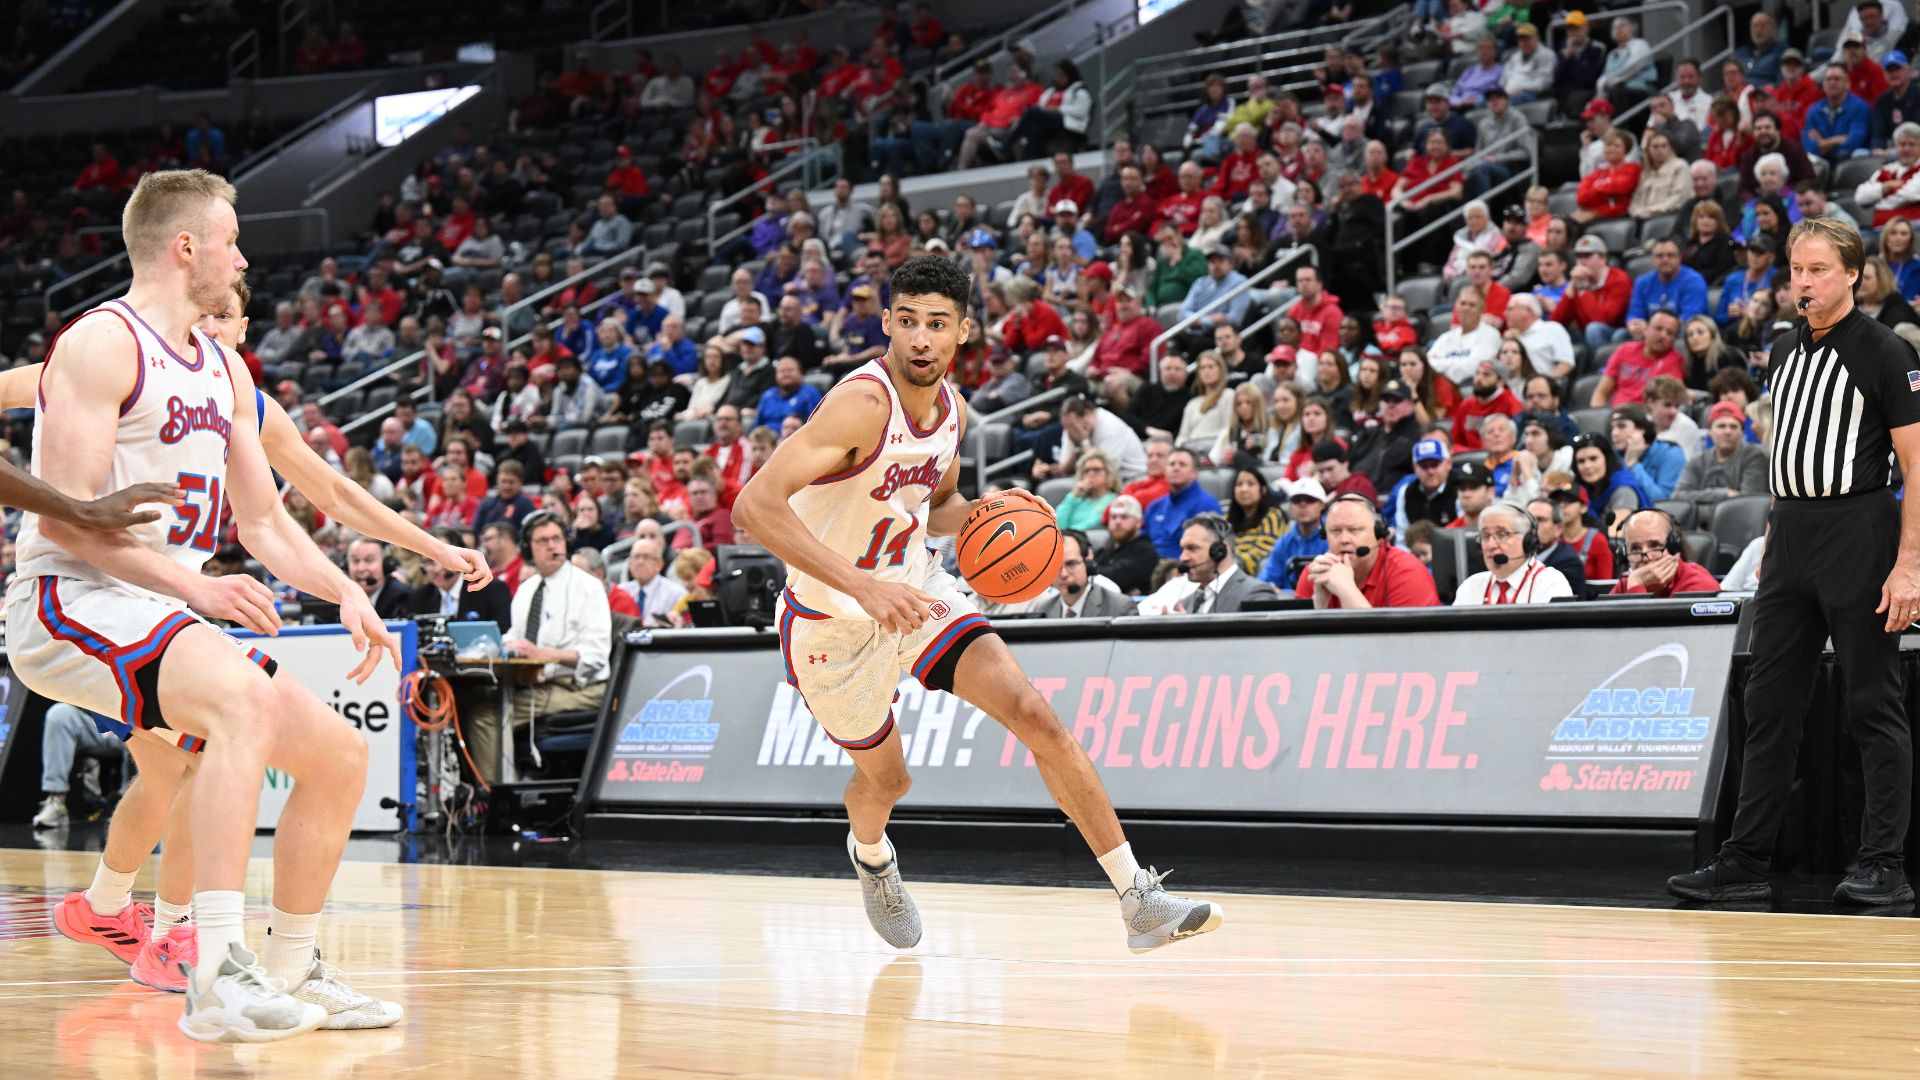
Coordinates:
[244,1005]
[52,815]
[1156,917]
[346,1007]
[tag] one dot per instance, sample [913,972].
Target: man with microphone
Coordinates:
[1074,595]
[1220,586]
[1361,569]
[1514,574]
[1843,562]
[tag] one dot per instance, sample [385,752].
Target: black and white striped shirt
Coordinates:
[1833,411]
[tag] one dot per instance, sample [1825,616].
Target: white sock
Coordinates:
[874,856]
[290,941]
[111,890]
[167,916]
[221,914]
[1121,867]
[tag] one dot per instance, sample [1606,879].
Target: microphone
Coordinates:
[1362,552]
[1805,302]
[1500,559]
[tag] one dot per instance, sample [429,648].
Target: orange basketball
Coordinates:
[1010,549]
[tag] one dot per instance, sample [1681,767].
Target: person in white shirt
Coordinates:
[1548,344]
[1745,575]
[1529,67]
[1219,585]
[741,285]
[1666,398]
[561,618]
[664,293]
[1880,24]
[1690,102]
[1457,352]
[1082,423]
[654,592]
[1513,575]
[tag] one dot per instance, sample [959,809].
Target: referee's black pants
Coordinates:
[1826,562]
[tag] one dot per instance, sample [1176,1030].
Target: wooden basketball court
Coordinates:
[596,974]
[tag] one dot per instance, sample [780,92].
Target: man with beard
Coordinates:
[1490,395]
[1385,452]
[1130,556]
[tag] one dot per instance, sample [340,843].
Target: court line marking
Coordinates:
[1121,965]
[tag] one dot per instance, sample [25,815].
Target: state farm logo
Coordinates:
[940,609]
[1644,776]
[1556,779]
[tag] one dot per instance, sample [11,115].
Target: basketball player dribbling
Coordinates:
[156,803]
[847,502]
[100,622]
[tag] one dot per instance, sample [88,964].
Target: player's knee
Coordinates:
[1032,714]
[247,712]
[892,784]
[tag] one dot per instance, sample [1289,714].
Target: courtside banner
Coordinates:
[1616,722]
[320,657]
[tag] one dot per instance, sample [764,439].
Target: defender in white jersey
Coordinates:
[847,502]
[134,393]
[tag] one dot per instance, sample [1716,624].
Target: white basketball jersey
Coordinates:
[875,513]
[174,429]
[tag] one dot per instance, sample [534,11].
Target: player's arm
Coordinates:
[948,509]
[83,394]
[344,501]
[851,421]
[23,491]
[278,541]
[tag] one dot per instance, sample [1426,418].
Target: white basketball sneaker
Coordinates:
[892,912]
[1156,917]
[346,1007]
[244,1005]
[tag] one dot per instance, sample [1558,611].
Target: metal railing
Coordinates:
[121,284]
[1721,13]
[1529,138]
[803,162]
[243,56]
[610,17]
[982,469]
[1175,80]
[1158,348]
[951,71]
[268,152]
[97,268]
[291,14]
[418,356]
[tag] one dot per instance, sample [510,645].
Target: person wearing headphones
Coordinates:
[560,617]
[371,568]
[1555,552]
[1361,569]
[1220,586]
[1657,560]
[1514,574]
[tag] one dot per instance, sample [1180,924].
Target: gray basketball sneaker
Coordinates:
[1156,917]
[347,1008]
[889,908]
[244,1005]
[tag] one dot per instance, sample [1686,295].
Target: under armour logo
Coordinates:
[897,437]
[812,659]
[156,363]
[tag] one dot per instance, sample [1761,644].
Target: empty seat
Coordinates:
[1735,523]
[1218,483]
[1852,173]
[1617,232]
[1584,386]
[568,443]
[692,433]
[1592,421]
[1056,490]
[1422,293]
[608,441]
[1680,510]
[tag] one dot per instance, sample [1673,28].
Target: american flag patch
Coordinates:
[1913,381]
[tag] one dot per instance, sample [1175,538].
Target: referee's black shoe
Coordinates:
[1874,883]
[1725,878]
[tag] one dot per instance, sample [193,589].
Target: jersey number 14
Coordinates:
[894,550]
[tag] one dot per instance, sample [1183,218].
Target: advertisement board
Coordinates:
[1614,723]
[321,657]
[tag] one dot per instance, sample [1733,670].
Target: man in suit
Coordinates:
[368,567]
[1073,596]
[1206,549]
[1546,516]
[446,593]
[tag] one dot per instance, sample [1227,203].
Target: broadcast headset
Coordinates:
[1529,540]
[1675,544]
[533,520]
[1217,525]
[1380,529]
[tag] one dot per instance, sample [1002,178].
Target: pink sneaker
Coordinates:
[120,934]
[158,964]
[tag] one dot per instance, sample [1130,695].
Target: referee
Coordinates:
[1843,560]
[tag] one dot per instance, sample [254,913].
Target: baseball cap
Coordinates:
[1852,37]
[1427,450]
[1597,107]
[1565,494]
[1308,488]
[1438,90]
[1283,354]
[623,151]
[658,269]
[982,238]
[1066,206]
[1760,242]
[1726,408]
[1054,341]
[491,333]
[1471,474]
[1526,29]
[1896,58]
[645,287]
[937,244]
[1099,269]
[1219,251]
[754,334]
[1590,245]
[1127,288]
[516,425]
[1576,18]
[1124,504]
[862,292]
[629,273]
[1793,56]
[285,385]
[1515,213]
[1637,415]
[1395,388]
[1496,90]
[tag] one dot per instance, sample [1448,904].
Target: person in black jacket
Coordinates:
[446,593]
[372,569]
[1385,452]
[1130,557]
[1353,268]
[1565,558]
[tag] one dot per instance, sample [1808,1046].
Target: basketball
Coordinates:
[1010,549]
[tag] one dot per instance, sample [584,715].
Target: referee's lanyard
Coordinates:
[1513,592]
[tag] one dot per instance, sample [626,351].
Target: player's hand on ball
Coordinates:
[111,513]
[899,608]
[237,598]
